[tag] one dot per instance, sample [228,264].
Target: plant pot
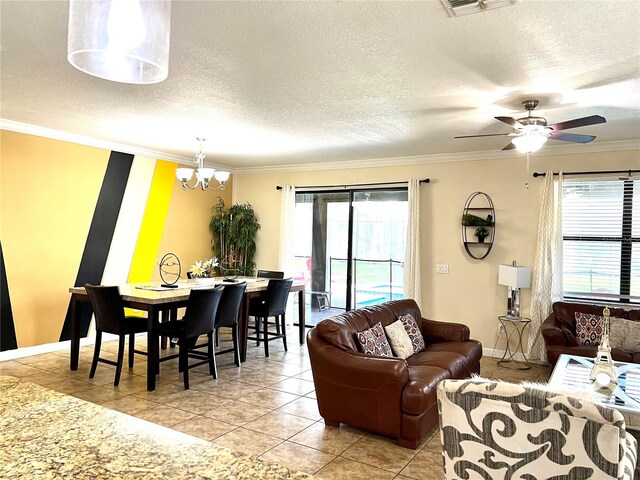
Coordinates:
[481,239]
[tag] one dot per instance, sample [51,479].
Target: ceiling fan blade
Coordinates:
[578,122]
[487,135]
[572,137]
[512,122]
[510,146]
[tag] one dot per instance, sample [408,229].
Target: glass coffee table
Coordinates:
[572,372]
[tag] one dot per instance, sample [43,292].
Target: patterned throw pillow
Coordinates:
[410,325]
[374,341]
[589,328]
[399,339]
[624,334]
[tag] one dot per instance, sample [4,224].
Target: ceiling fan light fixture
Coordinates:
[529,142]
[123,41]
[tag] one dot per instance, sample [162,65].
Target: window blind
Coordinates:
[601,239]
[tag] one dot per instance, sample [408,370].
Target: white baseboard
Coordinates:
[52,347]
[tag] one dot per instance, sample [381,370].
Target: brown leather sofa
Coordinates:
[559,331]
[388,396]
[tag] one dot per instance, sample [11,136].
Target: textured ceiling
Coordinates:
[277,83]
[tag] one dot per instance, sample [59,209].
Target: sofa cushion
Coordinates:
[589,328]
[471,349]
[411,326]
[373,341]
[420,393]
[399,340]
[457,365]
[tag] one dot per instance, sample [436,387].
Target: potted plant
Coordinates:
[481,233]
[233,238]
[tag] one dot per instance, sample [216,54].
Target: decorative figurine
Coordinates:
[603,373]
[170,270]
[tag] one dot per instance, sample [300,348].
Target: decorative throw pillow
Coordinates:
[399,339]
[410,325]
[589,328]
[624,334]
[374,341]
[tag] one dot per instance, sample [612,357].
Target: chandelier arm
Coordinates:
[186,186]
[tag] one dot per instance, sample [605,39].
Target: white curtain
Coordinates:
[546,284]
[287,229]
[412,282]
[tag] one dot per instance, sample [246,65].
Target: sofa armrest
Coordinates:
[552,334]
[357,389]
[434,332]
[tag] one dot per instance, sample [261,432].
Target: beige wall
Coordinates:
[186,229]
[469,293]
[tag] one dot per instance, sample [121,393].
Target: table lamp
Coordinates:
[515,278]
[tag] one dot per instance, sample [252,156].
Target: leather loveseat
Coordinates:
[389,396]
[559,332]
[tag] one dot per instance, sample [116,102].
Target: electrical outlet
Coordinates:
[501,331]
[440,268]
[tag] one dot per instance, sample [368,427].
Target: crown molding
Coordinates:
[54,134]
[551,150]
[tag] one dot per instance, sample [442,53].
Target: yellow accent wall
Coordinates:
[48,193]
[153,221]
[469,293]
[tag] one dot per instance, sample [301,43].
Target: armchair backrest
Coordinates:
[340,330]
[565,313]
[504,430]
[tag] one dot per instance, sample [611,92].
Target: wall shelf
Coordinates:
[484,216]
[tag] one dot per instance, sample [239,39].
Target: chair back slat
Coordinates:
[269,274]
[277,295]
[107,307]
[232,295]
[201,311]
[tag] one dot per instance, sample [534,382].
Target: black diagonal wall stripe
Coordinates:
[7,328]
[103,224]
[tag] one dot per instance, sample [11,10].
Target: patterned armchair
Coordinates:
[495,430]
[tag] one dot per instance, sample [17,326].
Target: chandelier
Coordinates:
[120,40]
[203,174]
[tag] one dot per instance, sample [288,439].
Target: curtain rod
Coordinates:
[426,180]
[629,172]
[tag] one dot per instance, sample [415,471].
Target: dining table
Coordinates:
[153,298]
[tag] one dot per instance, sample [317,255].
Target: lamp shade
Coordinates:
[514,277]
[120,40]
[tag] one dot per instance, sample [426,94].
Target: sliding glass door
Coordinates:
[350,248]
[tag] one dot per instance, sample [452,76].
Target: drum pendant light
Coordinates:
[120,40]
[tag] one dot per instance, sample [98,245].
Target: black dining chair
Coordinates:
[268,274]
[198,319]
[273,303]
[227,316]
[110,318]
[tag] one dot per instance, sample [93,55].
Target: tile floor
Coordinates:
[266,408]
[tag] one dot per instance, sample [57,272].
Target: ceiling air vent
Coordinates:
[466,7]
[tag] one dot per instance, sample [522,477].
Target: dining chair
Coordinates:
[268,274]
[110,318]
[198,320]
[273,303]
[227,316]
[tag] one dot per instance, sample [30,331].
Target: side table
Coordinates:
[517,326]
